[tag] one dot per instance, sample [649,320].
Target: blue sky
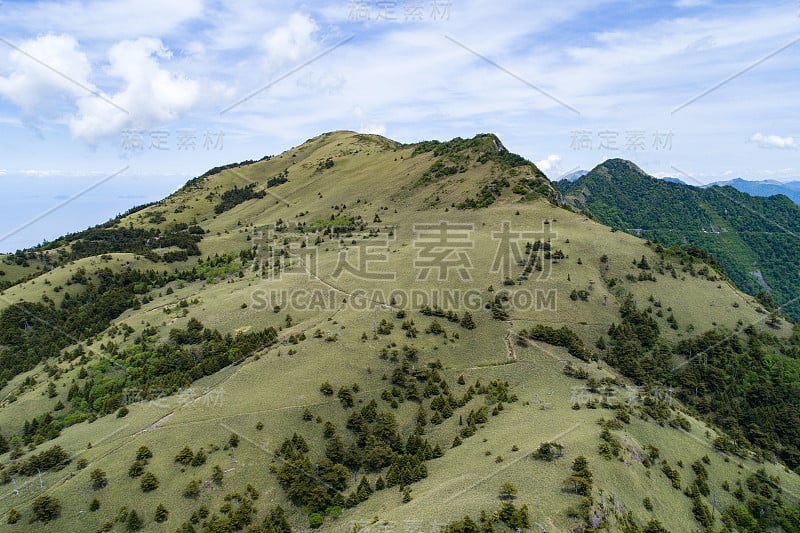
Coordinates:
[154,93]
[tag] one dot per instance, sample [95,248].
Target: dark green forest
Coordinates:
[31,332]
[746,382]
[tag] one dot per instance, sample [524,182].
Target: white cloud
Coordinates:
[151,94]
[373,128]
[550,163]
[39,89]
[100,19]
[414,83]
[59,173]
[57,85]
[703,43]
[773,141]
[39,172]
[690,3]
[323,82]
[366,125]
[291,42]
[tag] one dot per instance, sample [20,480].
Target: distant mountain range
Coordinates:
[573,175]
[790,189]
[752,237]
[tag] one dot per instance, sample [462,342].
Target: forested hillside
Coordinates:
[755,239]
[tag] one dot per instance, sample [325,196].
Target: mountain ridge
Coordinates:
[223,355]
[790,189]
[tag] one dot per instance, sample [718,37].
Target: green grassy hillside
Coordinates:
[322,352]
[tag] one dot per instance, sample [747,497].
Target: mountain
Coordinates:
[790,189]
[753,238]
[673,180]
[358,333]
[568,178]
[572,176]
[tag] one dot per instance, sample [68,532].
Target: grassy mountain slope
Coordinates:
[753,238]
[184,366]
[16,268]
